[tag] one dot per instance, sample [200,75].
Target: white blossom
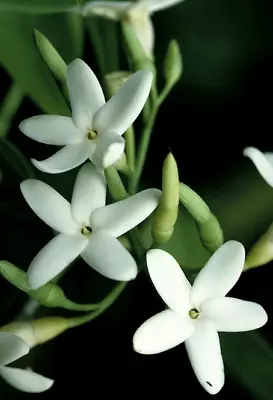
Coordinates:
[86,226]
[262,161]
[96,127]
[196,313]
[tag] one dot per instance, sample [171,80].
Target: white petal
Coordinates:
[144,30]
[169,280]
[106,255]
[49,205]
[234,315]
[89,193]
[25,380]
[110,147]
[54,258]
[162,332]
[156,5]
[263,162]
[220,274]
[11,348]
[118,218]
[107,9]
[86,95]
[69,157]
[52,129]
[124,107]
[204,352]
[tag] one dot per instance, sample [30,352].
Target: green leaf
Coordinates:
[13,157]
[38,6]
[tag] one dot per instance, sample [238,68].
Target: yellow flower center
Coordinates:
[194,313]
[92,135]
[86,231]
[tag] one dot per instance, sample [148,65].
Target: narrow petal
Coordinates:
[11,348]
[89,193]
[54,258]
[110,147]
[107,9]
[49,205]
[25,380]
[118,218]
[234,315]
[144,29]
[106,255]
[169,280]
[204,352]
[124,107]
[162,332]
[263,162]
[52,129]
[86,95]
[157,5]
[69,157]
[220,273]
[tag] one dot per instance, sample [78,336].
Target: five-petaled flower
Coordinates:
[137,13]
[12,348]
[87,227]
[96,126]
[263,162]
[197,312]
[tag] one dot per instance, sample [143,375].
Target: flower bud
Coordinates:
[114,184]
[261,252]
[167,210]
[115,80]
[173,66]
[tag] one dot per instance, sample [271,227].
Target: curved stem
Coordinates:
[9,108]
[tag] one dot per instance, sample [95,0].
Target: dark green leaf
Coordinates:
[38,6]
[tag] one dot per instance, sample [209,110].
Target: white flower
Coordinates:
[263,162]
[11,348]
[138,13]
[95,129]
[197,312]
[87,227]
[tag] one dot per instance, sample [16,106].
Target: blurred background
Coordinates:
[221,105]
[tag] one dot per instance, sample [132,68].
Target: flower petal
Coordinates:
[162,332]
[11,348]
[86,95]
[110,147]
[124,107]
[157,5]
[144,29]
[263,162]
[25,380]
[107,9]
[220,274]
[106,255]
[89,193]
[204,352]
[234,315]
[49,205]
[52,129]
[54,258]
[169,280]
[118,218]
[69,157]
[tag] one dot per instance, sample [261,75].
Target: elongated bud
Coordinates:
[209,229]
[173,66]
[37,331]
[167,210]
[115,80]
[115,185]
[51,57]
[261,252]
[49,295]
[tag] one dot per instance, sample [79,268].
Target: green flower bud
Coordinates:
[167,210]
[261,252]
[173,66]
[209,229]
[115,80]
[115,185]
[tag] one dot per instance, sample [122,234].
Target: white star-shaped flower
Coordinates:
[96,126]
[138,13]
[262,161]
[87,227]
[196,313]
[11,349]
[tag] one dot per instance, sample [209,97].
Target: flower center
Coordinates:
[194,313]
[86,231]
[92,135]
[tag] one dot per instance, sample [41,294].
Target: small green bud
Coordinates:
[115,80]
[261,252]
[167,210]
[115,185]
[51,57]
[173,66]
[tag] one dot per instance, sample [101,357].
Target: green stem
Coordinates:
[9,108]
[11,154]
[102,306]
[130,147]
